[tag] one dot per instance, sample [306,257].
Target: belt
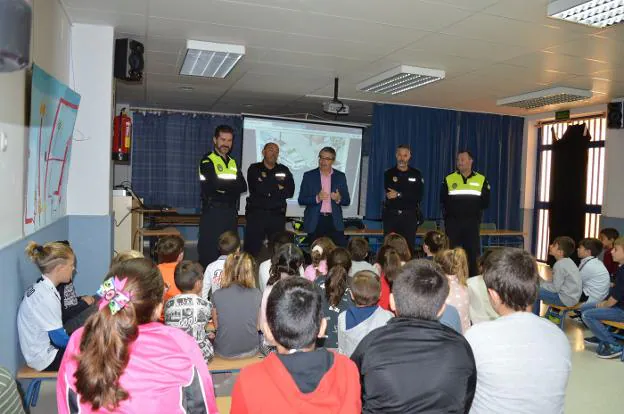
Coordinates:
[399,212]
[326,214]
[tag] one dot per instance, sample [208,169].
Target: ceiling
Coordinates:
[490,49]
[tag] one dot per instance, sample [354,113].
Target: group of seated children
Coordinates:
[401,322]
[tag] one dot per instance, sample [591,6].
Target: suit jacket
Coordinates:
[310,187]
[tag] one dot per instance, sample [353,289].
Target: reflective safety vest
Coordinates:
[472,187]
[223,171]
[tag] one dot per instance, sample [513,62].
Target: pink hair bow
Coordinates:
[113,295]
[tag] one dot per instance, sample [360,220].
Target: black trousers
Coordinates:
[262,224]
[403,222]
[213,222]
[464,233]
[325,228]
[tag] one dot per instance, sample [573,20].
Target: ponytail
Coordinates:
[287,259]
[454,262]
[339,264]
[107,335]
[50,255]
[390,261]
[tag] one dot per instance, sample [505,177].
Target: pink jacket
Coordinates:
[310,271]
[166,373]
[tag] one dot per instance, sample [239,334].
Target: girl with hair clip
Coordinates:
[390,263]
[286,262]
[320,249]
[124,361]
[235,308]
[40,318]
[454,263]
[434,242]
[335,292]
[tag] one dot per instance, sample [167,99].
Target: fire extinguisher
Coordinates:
[122,135]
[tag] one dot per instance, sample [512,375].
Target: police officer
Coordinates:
[221,186]
[464,195]
[270,185]
[404,190]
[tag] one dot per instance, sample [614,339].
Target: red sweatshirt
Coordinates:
[384,297]
[267,387]
[609,263]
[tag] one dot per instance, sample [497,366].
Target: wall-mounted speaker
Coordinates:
[129,62]
[15,23]
[615,119]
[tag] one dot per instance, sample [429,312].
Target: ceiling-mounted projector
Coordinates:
[335,106]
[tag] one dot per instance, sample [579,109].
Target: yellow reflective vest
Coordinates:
[472,187]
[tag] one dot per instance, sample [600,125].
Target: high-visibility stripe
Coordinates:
[223,176]
[202,178]
[465,192]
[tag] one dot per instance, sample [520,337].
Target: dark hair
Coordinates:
[465,151]
[169,248]
[512,273]
[484,257]
[390,262]
[366,288]
[106,339]
[610,233]
[49,256]
[436,240]
[593,245]
[287,259]
[565,244]
[338,265]
[327,245]
[294,313]
[404,146]
[400,245]
[420,290]
[328,149]
[228,242]
[279,239]
[223,128]
[186,274]
[358,247]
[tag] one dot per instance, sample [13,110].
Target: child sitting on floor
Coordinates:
[480,306]
[298,378]
[42,337]
[434,242]
[125,361]
[170,252]
[320,249]
[357,321]
[454,264]
[358,247]
[390,263]
[229,243]
[188,311]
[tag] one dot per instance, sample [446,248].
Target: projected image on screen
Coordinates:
[300,143]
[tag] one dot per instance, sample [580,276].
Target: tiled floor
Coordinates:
[595,387]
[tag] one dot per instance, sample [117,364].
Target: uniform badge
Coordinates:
[395,179]
[219,167]
[454,186]
[263,174]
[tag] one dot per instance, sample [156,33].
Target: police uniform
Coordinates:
[221,186]
[266,205]
[463,201]
[402,215]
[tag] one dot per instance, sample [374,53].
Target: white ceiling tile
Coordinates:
[473,5]
[593,47]
[256,82]
[550,62]
[512,32]
[122,22]
[116,6]
[453,65]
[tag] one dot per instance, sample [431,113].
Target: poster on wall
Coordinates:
[53,111]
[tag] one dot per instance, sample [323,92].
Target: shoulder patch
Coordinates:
[30,291]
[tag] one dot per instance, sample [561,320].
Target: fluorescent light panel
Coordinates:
[210,60]
[597,13]
[552,96]
[400,79]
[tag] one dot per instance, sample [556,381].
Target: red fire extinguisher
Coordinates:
[122,135]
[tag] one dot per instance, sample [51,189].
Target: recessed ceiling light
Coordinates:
[186,88]
[401,79]
[597,13]
[210,60]
[551,96]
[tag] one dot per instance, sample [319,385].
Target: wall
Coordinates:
[50,50]
[613,204]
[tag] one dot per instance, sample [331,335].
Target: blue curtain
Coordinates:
[435,135]
[166,150]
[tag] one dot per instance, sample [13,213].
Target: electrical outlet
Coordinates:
[4,141]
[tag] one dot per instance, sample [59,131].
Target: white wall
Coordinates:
[613,203]
[50,48]
[89,180]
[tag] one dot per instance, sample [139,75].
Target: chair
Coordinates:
[557,314]
[223,365]
[35,377]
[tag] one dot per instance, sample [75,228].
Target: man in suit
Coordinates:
[323,192]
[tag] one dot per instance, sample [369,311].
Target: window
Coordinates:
[547,133]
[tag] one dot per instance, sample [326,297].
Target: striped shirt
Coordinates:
[10,401]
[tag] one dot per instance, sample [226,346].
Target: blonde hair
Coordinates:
[454,262]
[126,255]
[239,269]
[48,256]
[619,242]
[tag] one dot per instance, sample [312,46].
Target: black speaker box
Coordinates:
[129,62]
[615,118]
